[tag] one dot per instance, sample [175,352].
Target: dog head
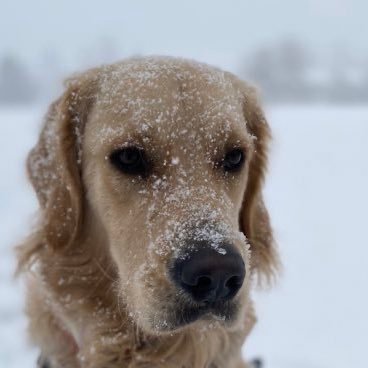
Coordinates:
[161,162]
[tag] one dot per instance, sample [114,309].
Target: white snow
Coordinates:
[19,132]
[316,315]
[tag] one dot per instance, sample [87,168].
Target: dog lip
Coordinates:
[221,311]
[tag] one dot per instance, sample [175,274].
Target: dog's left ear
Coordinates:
[254,220]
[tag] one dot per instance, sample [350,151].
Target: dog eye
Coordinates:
[233,160]
[130,160]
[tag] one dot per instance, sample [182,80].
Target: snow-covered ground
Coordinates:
[316,316]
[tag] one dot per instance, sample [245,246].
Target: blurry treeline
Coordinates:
[288,72]
[285,72]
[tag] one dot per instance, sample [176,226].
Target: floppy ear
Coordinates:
[54,165]
[254,219]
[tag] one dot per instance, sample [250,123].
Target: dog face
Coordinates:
[165,159]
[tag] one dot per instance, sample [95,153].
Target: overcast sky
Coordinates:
[219,32]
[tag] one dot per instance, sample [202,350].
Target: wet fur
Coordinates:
[79,314]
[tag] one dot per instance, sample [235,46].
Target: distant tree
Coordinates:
[261,70]
[280,71]
[341,87]
[293,64]
[293,59]
[50,73]
[16,86]
[364,85]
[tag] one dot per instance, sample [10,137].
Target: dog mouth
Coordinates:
[223,312]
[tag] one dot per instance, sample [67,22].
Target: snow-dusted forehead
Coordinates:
[166,96]
[157,72]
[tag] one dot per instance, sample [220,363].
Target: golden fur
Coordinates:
[96,266]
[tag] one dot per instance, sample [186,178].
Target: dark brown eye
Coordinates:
[233,160]
[130,160]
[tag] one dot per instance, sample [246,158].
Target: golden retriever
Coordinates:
[152,224]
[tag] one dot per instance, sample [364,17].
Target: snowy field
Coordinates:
[316,316]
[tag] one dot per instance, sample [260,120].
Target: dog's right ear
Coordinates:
[54,163]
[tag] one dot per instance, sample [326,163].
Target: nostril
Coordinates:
[202,288]
[204,282]
[233,282]
[232,285]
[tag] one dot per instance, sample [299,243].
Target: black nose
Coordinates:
[210,274]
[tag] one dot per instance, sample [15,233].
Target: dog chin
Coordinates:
[224,314]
